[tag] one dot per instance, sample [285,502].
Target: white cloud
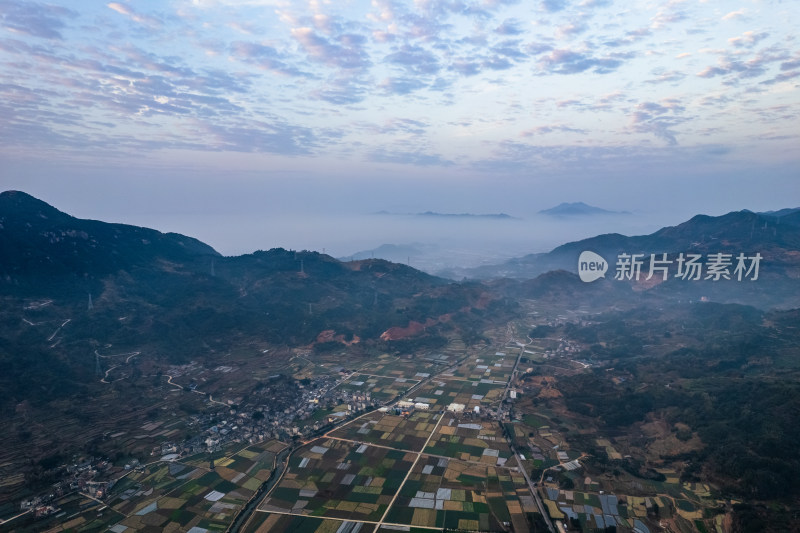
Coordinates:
[209,4]
[133,15]
[748,38]
[734,15]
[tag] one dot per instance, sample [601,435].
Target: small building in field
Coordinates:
[456,407]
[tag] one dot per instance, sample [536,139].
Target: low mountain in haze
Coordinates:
[396,253]
[743,232]
[781,212]
[498,216]
[578,209]
[434,214]
[789,216]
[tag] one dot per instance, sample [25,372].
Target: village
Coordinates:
[462,419]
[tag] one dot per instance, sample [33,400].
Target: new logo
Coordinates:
[591,266]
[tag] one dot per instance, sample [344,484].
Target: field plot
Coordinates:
[598,510]
[339,479]
[450,356]
[595,510]
[84,514]
[206,501]
[447,493]
[476,441]
[304,365]
[392,366]
[139,489]
[382,389]
[390,430]
[492,367]
[176,497]
[441,393]
[269,522]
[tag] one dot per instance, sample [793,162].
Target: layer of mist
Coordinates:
[439,242]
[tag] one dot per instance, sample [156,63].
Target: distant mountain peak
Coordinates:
[579,208]
[500,216]
[465,215]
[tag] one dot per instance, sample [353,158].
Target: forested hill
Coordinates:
[40,245]
[175,299]
[775,237]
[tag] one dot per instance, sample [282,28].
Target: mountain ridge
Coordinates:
[733,233]
[39,241]
[434,214]
[177,299]
[570,209]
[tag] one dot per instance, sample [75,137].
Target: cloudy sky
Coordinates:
[202,116]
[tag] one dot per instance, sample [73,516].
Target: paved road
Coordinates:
[535,494]
[500,415]
[408,474]
[282,461]
[59,329]
[501,410]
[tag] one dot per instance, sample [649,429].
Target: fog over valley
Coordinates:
[451,241]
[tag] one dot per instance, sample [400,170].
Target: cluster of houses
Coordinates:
[282,409]
[82,476]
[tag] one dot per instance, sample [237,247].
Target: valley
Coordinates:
[173,389]
[435,439]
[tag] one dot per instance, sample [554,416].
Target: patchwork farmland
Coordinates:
[434,459]
[458,444]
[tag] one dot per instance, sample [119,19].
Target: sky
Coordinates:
[258,123]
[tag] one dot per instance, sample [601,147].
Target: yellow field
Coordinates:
[697,515]
[252,483]
[553,509]
[248,454]
[274,446]
[347,506]
[170,503]
[453,506]
[468,525]
[424,517]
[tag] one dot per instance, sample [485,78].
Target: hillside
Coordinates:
[776,239]
[174,314]
[93,313]
[137,287]
[44,248]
